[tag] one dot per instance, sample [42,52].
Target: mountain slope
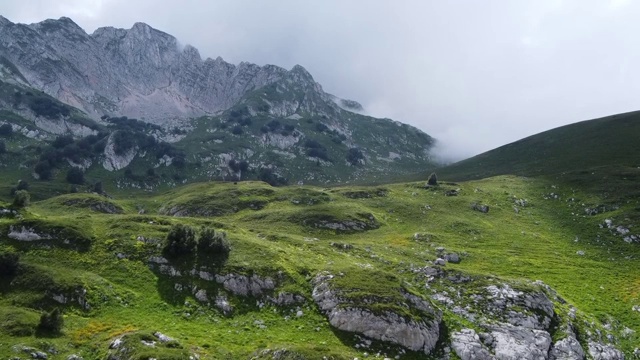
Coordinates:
[612,140]
[206,119]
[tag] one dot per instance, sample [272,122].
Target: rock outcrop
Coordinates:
[413,334]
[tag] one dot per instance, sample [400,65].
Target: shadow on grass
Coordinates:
[178,278]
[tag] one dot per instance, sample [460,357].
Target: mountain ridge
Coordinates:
[139,67]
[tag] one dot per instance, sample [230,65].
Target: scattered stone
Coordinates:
[342,246]
[223,304]
[452,192]
[480,207]
[452,258]
[201,295]
[440,262]
[162,337]
[299,313]
[39,355]
[580,252]
[604,352]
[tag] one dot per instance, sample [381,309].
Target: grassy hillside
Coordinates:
[611,140]
[101,254]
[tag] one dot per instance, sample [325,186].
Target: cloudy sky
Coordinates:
[476,74]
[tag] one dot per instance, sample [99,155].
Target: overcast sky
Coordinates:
[475,74]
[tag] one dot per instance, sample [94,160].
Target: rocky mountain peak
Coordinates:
[4,20]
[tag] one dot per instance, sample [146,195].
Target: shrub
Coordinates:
[3,147]
[433,179]
[51,322]
[273,125]
[237,130]
[75,176]
[320,127]
[354,156]
[319,153]
[9,262]
[181,240]
[62,141]
[6,130]
[313,144]
[43,169]
[22,185]
[21,199]
[97,187]
[213,242]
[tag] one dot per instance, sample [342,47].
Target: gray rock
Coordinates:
[223,304]
[162,337]
[25,234]
[512,342]
[39,355]
[480,207]
[452,258]
[246,285]
[74,357]
[567,349]
[600,351]
[466,344]
[411,334]
[440,262]
[287,299]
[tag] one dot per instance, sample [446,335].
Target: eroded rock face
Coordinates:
[416,335]
[567,349]
[600,351]
[113,161]
[467,345]
[23,233]
[515,342]
[243,285]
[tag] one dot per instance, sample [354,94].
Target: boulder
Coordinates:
[567,349]
[412,334]
[466,344]
[452,258]
[514,342]
[600,351]
[480,207]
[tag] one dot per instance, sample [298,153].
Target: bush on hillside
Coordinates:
[213,242]
[181,240]
[51,322]
[354,156]
[75,176]
[9,262]
[43,170]
[6,130]
[3,147]
[21,199]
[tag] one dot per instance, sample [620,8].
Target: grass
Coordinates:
[540,241]
[580,146]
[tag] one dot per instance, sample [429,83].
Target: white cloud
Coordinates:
[474,74]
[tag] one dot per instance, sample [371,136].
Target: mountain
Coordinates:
[608,141]
[148,102]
